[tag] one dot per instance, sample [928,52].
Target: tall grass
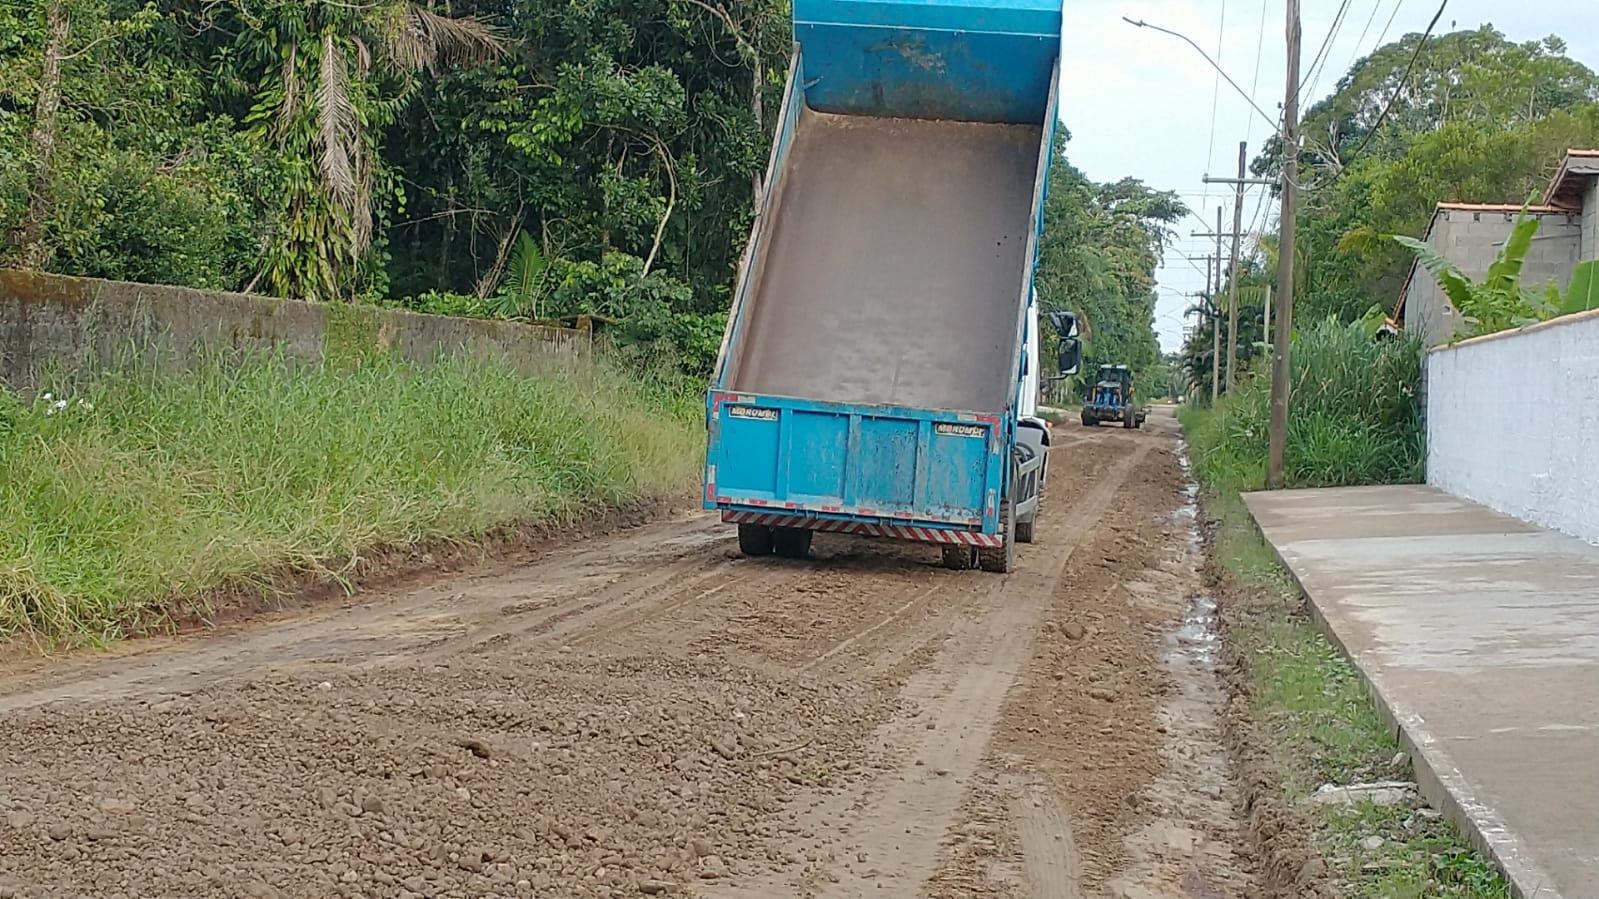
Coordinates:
[137,486]
[1355,416]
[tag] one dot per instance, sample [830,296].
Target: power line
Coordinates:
[1375,7]
[1215,90]
[1391,16]
[1323,54]
[1403,80]
[1254,83]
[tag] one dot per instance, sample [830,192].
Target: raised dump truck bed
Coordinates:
[881,353]
[895,265]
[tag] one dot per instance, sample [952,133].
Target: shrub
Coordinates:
[1355,416]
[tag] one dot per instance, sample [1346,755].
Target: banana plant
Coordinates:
[1500,300]
[1582,294]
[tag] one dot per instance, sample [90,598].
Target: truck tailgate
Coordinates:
[863,462]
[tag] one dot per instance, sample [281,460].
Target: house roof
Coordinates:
[1511,208]
[1571,179]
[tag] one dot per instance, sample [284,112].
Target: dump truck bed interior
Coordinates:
[896,264]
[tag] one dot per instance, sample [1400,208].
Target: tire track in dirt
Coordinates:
[1117,785]
[1050,861]
[432,620]
[894,828]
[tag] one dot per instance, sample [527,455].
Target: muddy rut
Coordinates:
[652,714]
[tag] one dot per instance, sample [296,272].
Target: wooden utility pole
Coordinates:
[1216,299]
[1232,277]
[1265,311]
[1211,265]
[1239,183]
[1278,429]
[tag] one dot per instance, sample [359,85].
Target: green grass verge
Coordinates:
[1320,726]
[137,488]
[1356,416]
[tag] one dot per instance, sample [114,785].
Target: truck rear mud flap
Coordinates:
[943,536]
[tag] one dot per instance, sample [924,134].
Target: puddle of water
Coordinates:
[1195,641]
[1192,847]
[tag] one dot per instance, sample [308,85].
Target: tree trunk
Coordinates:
[757,89]
[46,124]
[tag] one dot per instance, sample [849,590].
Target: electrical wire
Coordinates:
[1215,89]
[1254,83]
[1391,16]
[1376,6]
[1322,55]
[1403,80]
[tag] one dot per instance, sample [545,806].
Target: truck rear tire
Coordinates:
[1089,420]
[1024,532]
[1024,529]
[754,539]
[1129,419]
[1002,558]
[792,543]
[959,556]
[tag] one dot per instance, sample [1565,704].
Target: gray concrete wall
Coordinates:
[1471,240]
[74,323]
[1513,422]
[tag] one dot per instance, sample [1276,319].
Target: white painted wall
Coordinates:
[1513,423]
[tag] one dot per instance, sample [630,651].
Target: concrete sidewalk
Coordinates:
[1479,636]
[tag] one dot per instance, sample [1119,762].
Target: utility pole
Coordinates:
[1278,429]
[1265,311]
[1232,279]
[1211,296]
[1239,183]
[1216,388]
[1212,267]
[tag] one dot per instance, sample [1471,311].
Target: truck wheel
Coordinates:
[792,543]
[1001,558]
[754,539]
[1024,532]
[1024,529]
[1129,419]
[1088,420]
[959,557]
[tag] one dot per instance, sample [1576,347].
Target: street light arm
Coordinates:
[1140,23]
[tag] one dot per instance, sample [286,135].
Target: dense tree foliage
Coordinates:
[1101,246]
[544,159]
[1476,118]
[1467,117]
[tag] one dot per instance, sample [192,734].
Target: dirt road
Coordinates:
[652,714]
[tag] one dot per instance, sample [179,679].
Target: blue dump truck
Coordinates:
[881,365]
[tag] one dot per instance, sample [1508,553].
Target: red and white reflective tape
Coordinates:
[899,532]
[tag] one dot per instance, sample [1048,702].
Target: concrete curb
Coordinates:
[1438,779]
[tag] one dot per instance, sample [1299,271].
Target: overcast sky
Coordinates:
[1140,103]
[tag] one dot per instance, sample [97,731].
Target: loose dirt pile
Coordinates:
[506,775]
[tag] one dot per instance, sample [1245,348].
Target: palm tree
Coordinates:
[326,76]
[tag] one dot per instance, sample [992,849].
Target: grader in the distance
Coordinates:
[1110,398]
